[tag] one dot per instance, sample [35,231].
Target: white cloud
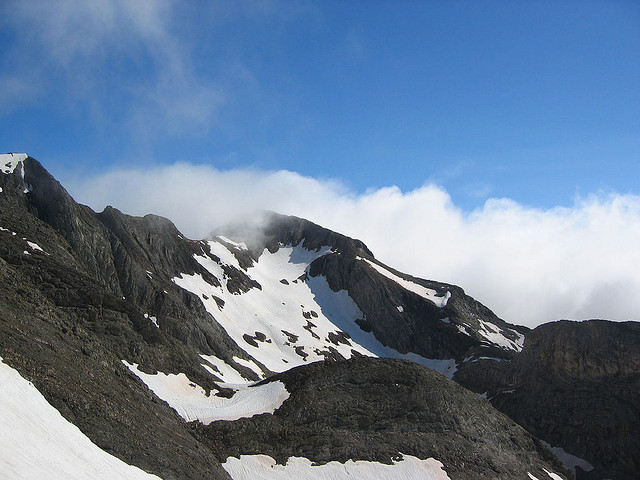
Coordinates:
[528,265]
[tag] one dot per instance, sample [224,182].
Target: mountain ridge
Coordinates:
[103,288]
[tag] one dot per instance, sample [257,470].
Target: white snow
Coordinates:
[570,461]
[37,442]
[191,402]
[9,161]
[239,245]
[493,334]
[250,364]
[424,292]
[251,467]
[225,372]
[35,246]
[274,308]
[552,475]
[223,253]
[153,320]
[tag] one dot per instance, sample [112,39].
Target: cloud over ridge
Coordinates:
[529,265]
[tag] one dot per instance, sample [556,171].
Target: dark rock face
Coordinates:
[375,409]
[421,327]
[72,354]
[575,385]
[70,312]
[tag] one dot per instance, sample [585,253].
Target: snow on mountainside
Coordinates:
[288,318]
[191,402]
[37,442]
[429,294]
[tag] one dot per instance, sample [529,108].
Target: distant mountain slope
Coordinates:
[575,385]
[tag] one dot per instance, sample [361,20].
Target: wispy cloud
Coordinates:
[107,52]
[529,265]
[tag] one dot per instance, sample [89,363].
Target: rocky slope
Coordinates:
[384,408]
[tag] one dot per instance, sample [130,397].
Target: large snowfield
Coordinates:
[296,314]
[36,442]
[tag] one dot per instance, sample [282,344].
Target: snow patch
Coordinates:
[238,245]
[494,335]
[569,461]
[38,442]
[9,162]
[424,292]
[191,401]
[250,364]
[153,320]
[250,467]
[35,246]
[225,372]
[552,475]
[223,253]
[275,309]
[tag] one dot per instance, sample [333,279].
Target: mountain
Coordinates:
[151,344]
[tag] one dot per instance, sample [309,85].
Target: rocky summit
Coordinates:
[277,348]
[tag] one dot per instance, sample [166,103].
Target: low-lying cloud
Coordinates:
[528,265]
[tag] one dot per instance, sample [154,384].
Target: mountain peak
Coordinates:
[271,230]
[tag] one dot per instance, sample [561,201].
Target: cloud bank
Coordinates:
[528,265]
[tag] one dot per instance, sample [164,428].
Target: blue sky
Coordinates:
[495,145]
[531,100]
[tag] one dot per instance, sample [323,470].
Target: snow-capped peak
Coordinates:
[9,161]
